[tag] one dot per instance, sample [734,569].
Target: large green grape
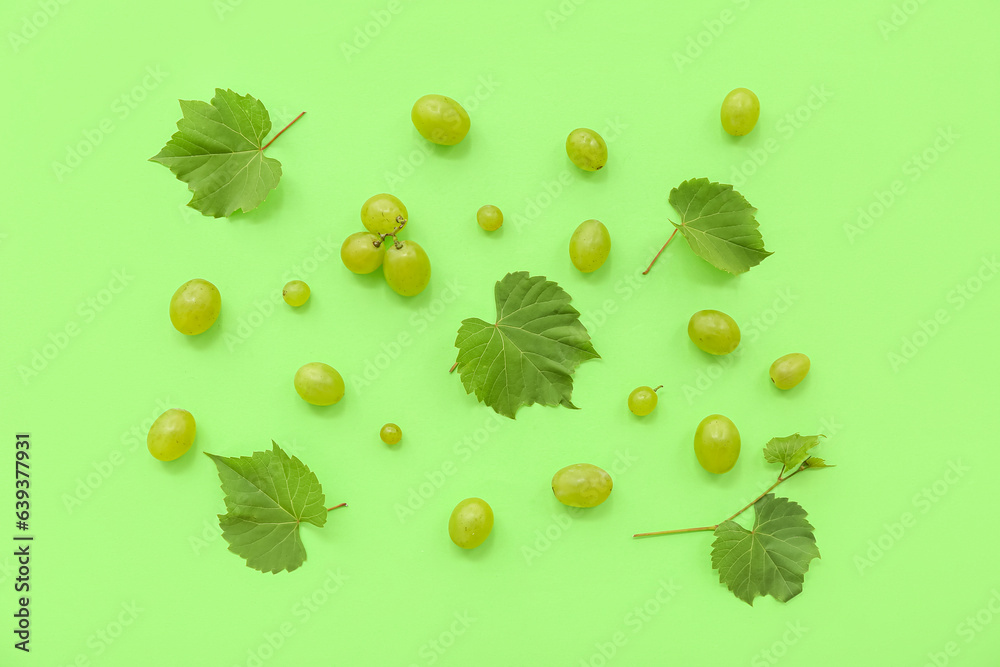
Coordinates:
[714,331]
[440,119]
[295,293]
[407,268]
[171,434]
[391,434]
[195,306]
[581,485]
[470,523]
[789,370]
[489,218]
[589,246]
[359,254]
[717,444]
[319,384]
[383,213]
[586,149]
[740,111]
[642,400]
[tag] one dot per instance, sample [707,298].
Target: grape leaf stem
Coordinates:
[282,130]
[330,509]
[661,251]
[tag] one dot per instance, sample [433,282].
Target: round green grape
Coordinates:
[740,111]
[717,444]
[581,485]
[714,332]
[391,434]
[586,149]
[195,306]
[383,213]
[489,218]
[789,370]
[171,435]
[589,246]
[440,119]
[319,384]
[470,523]
[295,293]
[642,400]
[359,253]
[407,268]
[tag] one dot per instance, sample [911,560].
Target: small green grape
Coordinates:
[740,111]
[581,485]
[586,149]
[714,332]
[319,384]
[383,213]
[195,306]
[359,253]
[717,444]
[407,268]
[589,246]
[171,435]
[391,434]
[295,293]
[440,119]
[642,400]
[489,218]
[789,370]
[470,523]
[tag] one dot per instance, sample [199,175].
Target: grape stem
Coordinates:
[330,509]
[282,130]
[661,251]
[780,479]
[382,237]
[658,389]
[453,367]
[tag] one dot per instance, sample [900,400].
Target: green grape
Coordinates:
[383,213]
[581,485]
[391,434]
[589,246]
[195,306]
[489,218]
[440,119]
[295,293]
[642,400]
[319,384]
[789,370]
[740,111]
[359,253]
[586,149]
[470,523]
[717,444]
[171,435]
[714,332]
[407,268]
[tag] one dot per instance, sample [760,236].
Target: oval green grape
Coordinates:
[171,435]
[440,119]
[740,111]
[586,149]
[489,218]
[383,213]
[717,444]
[581,485]
[391,434]
[471,523]
[195,306]
[714,332]
[789,370]
[359,253]
[407,269]
[319,384]
[642,401]
[589,246]
[295,293]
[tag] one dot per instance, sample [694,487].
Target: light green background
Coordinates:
[128,566]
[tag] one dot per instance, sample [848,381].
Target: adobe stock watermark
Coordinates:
[913,170]
[87,311]
[101,640]
[773,654]
[561,12]
[697,44]
[957,298]
[901,13]
[371,29]
[408,164]
[120,109]
[550,190]
[34,23]
[632,624]
[433,649]
[922,502]
[967,630]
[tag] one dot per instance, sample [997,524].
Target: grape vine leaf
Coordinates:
[771,559]
[791,450]
[530,353]
[217,151]
[718,224]
[268,494]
